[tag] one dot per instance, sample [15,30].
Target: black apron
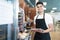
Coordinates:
[40,23]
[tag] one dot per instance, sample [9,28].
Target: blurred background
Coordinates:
[17,14]
[8,19]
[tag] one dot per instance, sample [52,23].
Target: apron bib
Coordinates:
[40,23]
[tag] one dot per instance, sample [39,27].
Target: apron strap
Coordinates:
[44,16]
[37,16]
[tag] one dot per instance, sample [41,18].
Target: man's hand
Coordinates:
[38,30]
[34,29]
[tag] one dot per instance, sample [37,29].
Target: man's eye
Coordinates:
[39,6]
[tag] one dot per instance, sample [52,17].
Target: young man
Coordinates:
[43,23]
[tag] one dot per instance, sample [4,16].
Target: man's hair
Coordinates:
[39,3]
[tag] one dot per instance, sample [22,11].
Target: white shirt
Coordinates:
[48,18]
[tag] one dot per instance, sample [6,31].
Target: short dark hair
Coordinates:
[39,3]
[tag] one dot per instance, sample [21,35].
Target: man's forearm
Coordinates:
[44,31]
[47,30]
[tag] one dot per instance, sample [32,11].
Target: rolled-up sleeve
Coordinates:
[49,19]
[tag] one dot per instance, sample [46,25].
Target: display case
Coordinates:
[3,32]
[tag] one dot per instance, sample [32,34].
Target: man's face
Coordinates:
[40,8]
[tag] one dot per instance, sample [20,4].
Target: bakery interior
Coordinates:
[11,22]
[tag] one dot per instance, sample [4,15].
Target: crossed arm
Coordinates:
[50,28]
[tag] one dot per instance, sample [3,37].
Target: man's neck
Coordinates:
[41,13]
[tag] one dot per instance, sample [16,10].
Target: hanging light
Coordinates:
[45,3]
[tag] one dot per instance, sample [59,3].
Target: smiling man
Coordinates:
[43,23]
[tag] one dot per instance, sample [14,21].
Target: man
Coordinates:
[43,23]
